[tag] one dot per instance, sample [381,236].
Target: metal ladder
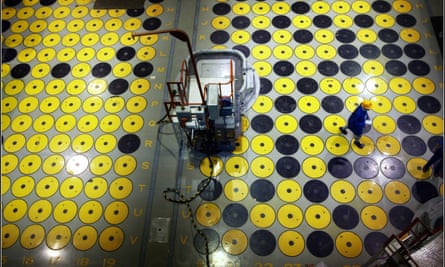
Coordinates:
[398,248]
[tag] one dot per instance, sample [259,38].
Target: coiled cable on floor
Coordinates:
[180,199]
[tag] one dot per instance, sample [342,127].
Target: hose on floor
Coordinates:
[179,198]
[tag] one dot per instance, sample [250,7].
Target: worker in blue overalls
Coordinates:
[357,122]
[436,160]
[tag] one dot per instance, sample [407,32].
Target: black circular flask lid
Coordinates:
[240,22]
[20,70]
[11,3]
[143,69]
[265,86]
[262,190]
[429,104]
[395,67]
[434,143]
[219,37]
[381,6]
[47,2]
[406,20]
[319,244]
[125,53]
[374,241]
[303,36]
[285,104]
[328,68]
[211,241]
[235,215]
[347,51]
[408,124]
[414,145]
[243,49]
[392,168]
[300,7]
[221,9]
[8,54]
[118,86]
[350,68]
[60,70]
[366,167]
[316,191]
[288,167]
[322,21]
[345,36]
[101,69]
[423,191]
[212,191]
[262,242]
[283,68]
[400,217]
[286,144]
[419,68]
[339,167]
[369,51]
[135,12]
[414,51]
[307,86]
[281,22]
[262,123]
[151,24]
[388,35]
[392,51]
[363,21]
[345,217]
[261,36]
[310,124]
[5,26]
[129,143]
[332,104]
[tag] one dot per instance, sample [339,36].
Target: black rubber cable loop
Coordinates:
[183,200]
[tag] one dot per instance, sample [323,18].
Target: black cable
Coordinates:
[183,200]
[167,112]
[165,116]
[161,120]
[162,144]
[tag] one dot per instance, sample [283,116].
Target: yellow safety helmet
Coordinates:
[367,104]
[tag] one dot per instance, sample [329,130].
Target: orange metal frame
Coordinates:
[182,90]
